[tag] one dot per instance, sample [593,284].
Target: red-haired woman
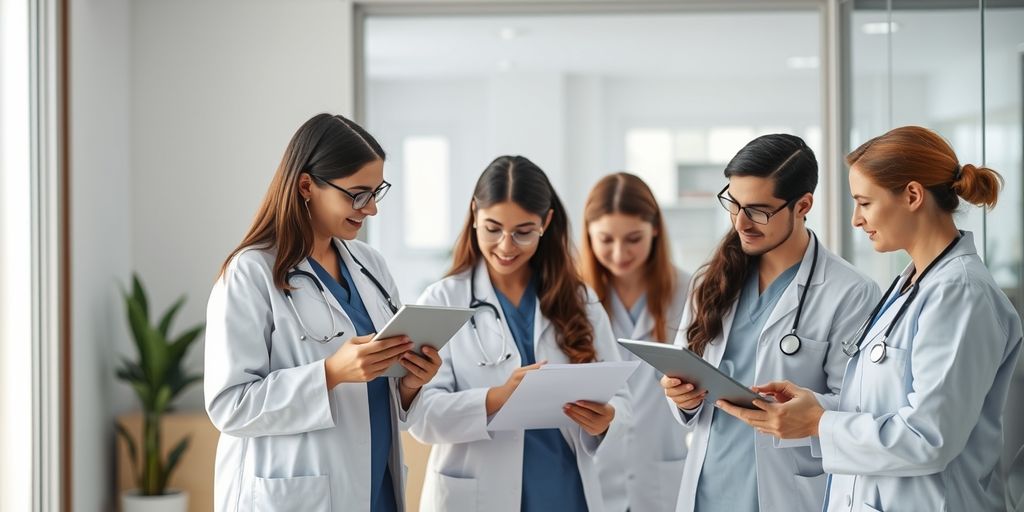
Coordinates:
[513,263]
[625,259]
[919,422]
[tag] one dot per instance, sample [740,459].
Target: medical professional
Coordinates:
[292,380]
[513,264]
[919,423]
[772,303]
[625,259]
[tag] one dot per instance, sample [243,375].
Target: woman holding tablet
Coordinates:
[626,261]
[292,381]
[918,425]
[513,264]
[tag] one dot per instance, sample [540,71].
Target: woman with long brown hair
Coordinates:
[771,301]
[513,264]
[292,380]
[918,425]
[625,258]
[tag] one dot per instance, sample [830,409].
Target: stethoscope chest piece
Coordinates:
[790,344]
[877,353]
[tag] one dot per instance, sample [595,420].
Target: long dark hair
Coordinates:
[560,289]
[790,164]
[326,146]
[628,194]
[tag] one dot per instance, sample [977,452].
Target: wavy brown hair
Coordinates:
[790,164]
[561,291]
[913,153]
[325,146]
[628,194]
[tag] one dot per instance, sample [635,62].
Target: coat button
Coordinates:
[858,408]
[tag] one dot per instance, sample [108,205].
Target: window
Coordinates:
[425,189]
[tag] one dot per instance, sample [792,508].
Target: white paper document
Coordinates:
[538,400]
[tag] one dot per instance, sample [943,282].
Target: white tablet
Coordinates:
[682,363]
[424,325]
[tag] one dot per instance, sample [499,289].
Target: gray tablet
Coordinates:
[424,325]
[682,363]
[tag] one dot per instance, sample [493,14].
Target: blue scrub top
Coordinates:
[382,489]
[551,479]
[728,480]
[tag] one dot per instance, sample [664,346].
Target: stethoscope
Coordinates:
[790,344]
[878,350]
[296,273]
[482,305]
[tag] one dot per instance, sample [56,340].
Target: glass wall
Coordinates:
[955,67]
[670,97]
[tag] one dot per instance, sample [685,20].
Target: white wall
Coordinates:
[218,88]
[101,210]
[180,112]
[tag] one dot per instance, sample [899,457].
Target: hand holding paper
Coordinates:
[540,398]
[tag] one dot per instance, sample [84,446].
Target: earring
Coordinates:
[306,204]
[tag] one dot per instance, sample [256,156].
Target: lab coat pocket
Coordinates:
[296,494]
[887,378]
[869,508]
[670,477]
[455,494]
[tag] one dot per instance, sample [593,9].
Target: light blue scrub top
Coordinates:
[728,480]
[551,479]
[382,489]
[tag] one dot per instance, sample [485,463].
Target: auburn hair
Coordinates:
[790,164]
[913,153]
[561,292]
[326,146]
[628,194]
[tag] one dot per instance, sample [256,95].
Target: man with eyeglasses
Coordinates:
[771,304]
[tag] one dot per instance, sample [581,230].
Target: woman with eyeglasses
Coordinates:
[919,422]
[513,264]
[773,303]
[292,380]
[626,260]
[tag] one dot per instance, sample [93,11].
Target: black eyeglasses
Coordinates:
[755,215]
[360,199]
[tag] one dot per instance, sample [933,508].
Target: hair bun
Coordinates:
[964,170]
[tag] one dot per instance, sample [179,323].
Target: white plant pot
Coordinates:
[175,501]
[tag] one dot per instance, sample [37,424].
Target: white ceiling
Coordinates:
[727,44]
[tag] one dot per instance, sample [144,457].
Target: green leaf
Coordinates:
[133,452]
[172,461]
[180,346]
[140,332]
[145,394]
[179,385]
[159,360]
[165,322]
[163,399]
[139,296]
[130,371]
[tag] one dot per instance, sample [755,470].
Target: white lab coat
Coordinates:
[922,430]
[470,468]
[287,443]
[642,472]
[789,472]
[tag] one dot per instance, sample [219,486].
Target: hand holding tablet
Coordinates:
[424,325]
[681,363]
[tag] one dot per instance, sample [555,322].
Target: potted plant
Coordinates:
[157,377]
